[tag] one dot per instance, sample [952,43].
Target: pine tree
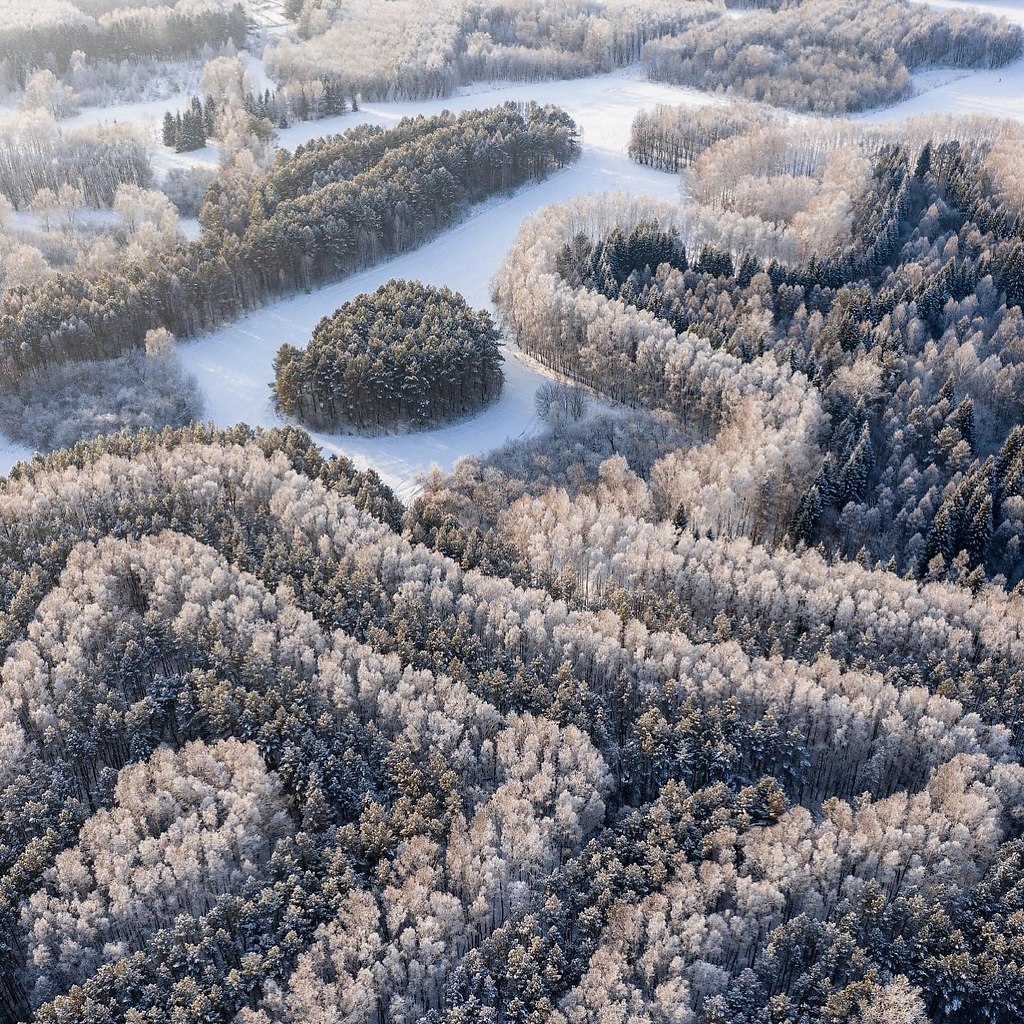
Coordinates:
[854,475]
[808,516]
[924,162]
[963,420]
[829,482]
[680,518]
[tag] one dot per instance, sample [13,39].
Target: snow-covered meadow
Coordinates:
[234,365]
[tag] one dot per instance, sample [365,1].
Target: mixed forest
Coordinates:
[335,205]
[827,56]
[698,703]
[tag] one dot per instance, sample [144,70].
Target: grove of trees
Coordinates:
[36,153]
[56,407]
[864,397]
[52,38]
[407,354]
[703,708]
[425,51]
[827,56]
[335,205]
[831,56]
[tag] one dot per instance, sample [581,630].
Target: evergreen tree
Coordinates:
[808,516]
[924,162]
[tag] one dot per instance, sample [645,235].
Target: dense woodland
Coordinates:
[423,51]
[828,56]
[35,153]
[408,354]
[865,399]
[831,56]
[705,705]
[58,406]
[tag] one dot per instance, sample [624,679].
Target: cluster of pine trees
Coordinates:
[408,353]
[340,204]
[187,131]
[190,129]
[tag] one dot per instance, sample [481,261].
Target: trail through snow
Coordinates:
[234,365]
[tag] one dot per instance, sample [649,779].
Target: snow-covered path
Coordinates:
[234,365]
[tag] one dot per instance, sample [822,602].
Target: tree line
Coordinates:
[36,154]
[409,189]
[904,333]
[831,58]
[423,54]
[672,138]
[130,35]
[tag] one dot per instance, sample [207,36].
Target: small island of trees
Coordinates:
[406,354]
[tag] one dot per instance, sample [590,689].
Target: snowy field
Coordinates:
[1012,10]
[234,365]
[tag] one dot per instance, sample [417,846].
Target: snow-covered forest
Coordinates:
[831,56]
[334,206]
[407,354]
[686,686]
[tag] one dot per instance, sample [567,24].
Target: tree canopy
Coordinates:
[408,353]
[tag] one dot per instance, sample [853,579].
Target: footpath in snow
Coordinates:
[234,365]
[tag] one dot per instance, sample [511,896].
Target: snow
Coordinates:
[997,93]
[147,117]
[269,14]
[190,228]
[1012,10]
[234,365]
[12,452]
